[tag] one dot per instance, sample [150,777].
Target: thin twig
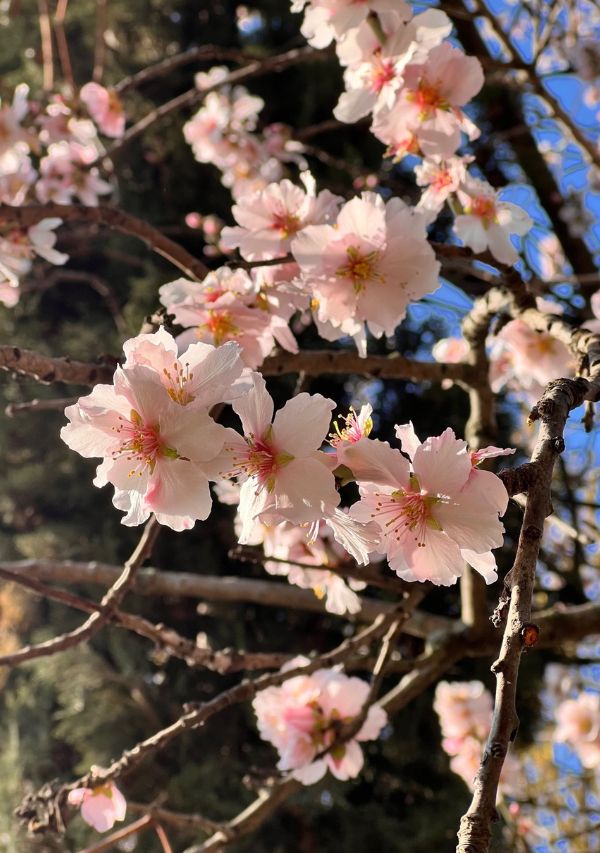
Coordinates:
[63,44]
[46,38]
[99,42]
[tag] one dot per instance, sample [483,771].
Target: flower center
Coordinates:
[408,513]
[221,326]
[260,461]
[484,208]
[383,72]
[286,223]
[360,268]
[352,432]
[428,98]
[176,381]
[141,443]
[442,180]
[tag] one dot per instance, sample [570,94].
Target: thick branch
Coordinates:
[215,588]
[45,369]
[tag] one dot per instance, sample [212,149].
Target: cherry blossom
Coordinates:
[66,172]
[227,307]
[357,426]
[17,250]
[366,268]
[156,446]
[294,549]
[374,75]
[328,20]
[15,138]
[101,807]
[269,219]
[579,724]
[488,222]
[301,718]
[284,475]
[429,105]
[442,178]
[106,109]
[434,513]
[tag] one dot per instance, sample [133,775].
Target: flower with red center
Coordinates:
[488,222]
[434,512]
[303,717]
[226,306]
[366,268]
[269,218]
[356,426]
[106,109]
[441,178]
[157,441]
[285,476]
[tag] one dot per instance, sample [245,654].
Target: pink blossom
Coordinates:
[106,109]
[375,73]
[101,807]
[17,250]
[464,708]
[227,307]
[328,20]
[579,724]
[301,719]
[429,104]
[293,550]
[357,426]
[14,138]
[442,178]
[284,475]
[527,359]
[154,430]
[368,267]
[488,222]
[434,513]
[66,172]
[269,219]
[17,176]
[450,350]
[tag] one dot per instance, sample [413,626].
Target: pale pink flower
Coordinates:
[430,104]
[101,807]
[368,267]
[527,359]
[269,219]
[375,73]
[296,549]
[106,109]
[450,350]
[17,176]
[18,247]
[329,20]
[302,716]
[434,513]
[488,222]
[464,708]
[579,724]
[285,476]
[66,172]
[227,307]
[442,178]
[155,432]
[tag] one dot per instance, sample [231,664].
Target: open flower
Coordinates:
[101,807]
[488,222]
[579,724]
[156,446]
[435,512]
[285,476]
[368,267]
[106,109]
[302,718]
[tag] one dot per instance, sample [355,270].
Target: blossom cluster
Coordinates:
[465,710]
[223,132]
[47,154]
[303,718]
[428,506]
[400,70]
